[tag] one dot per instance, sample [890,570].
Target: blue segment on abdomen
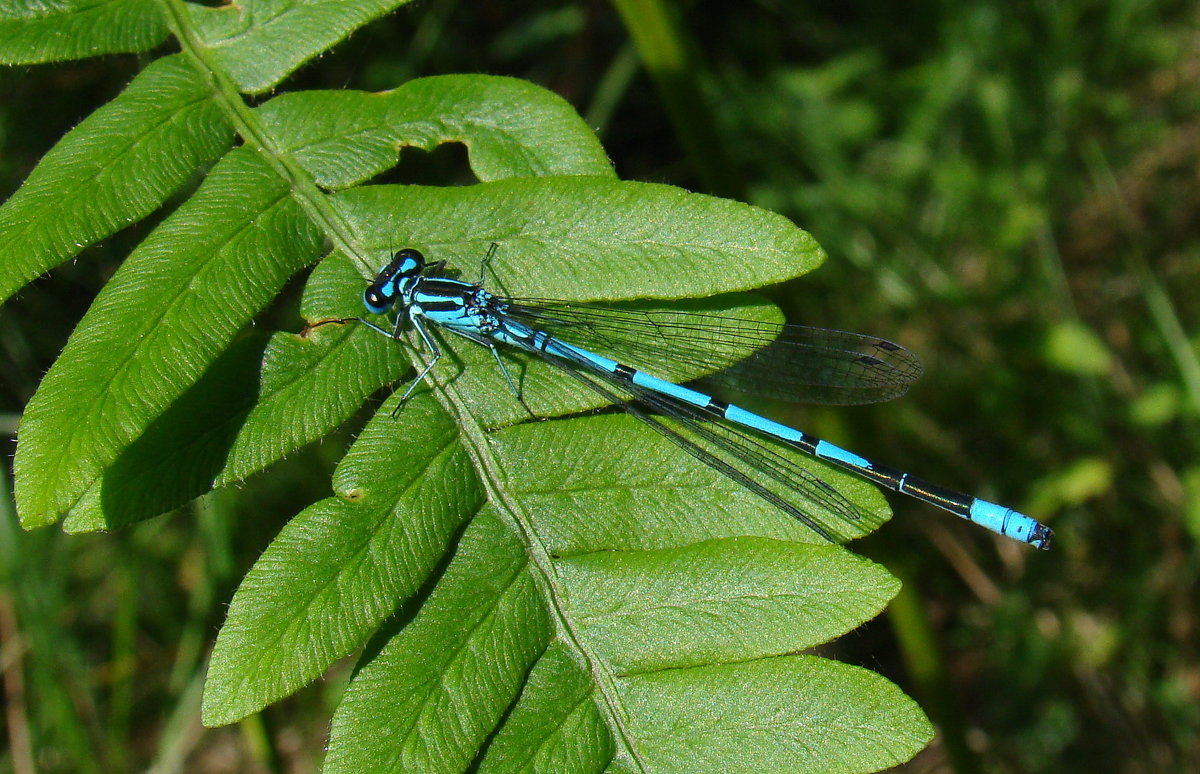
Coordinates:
[1003,520]
[830,451]
[591,357]
[643,379]
[762,424]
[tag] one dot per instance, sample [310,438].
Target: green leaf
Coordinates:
[343,138]
[1157,404]
[115,168]
[1071,485]
[394,715]
[294,406]
[177,455]
[581,497]
[33,32]
[574,594]
[340,567]
[312,383]
[261,399]
[586,237]
[259,43]
[788,714]
[166,315]
[434,691]
[1074,348]
[717,601]
[555,726]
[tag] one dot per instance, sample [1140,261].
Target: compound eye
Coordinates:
[408,262]
[375,300]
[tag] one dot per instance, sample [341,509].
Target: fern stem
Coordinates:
[227,94]
[478,445]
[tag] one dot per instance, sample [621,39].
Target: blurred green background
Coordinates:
[1010,190]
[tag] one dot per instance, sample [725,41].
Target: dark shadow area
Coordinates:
[176,459]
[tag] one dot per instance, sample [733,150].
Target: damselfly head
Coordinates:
[381,294]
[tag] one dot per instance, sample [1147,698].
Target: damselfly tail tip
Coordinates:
[1040,537]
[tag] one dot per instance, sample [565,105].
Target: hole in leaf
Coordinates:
[447,164]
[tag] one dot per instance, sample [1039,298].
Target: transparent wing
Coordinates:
[773,360]
[761,467]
